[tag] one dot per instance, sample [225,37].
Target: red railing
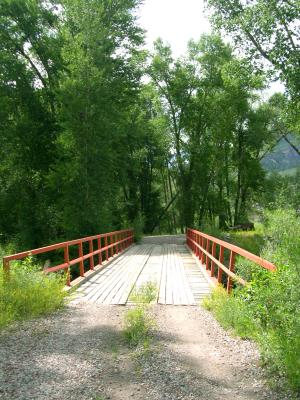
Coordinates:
[108,244]
[206,249]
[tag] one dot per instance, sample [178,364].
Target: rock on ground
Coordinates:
[79,353]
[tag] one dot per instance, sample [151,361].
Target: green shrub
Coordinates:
[232,313]
[29,292]
[268,308]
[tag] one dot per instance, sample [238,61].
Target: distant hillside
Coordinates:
[283,157]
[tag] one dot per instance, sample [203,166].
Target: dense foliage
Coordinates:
[29,293]
[88,146]
[268,308]
[269,33]
[97,134]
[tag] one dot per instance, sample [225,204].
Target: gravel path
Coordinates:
[79,353]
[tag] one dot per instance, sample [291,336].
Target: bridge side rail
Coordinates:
[205,248]
[108,244]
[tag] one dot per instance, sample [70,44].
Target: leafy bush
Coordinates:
[268,308]
[29,292]
[231,312]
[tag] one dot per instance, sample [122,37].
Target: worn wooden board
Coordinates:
[170,266]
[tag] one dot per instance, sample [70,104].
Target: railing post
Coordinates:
[212,264]
[106,249]
[67,260]
[91,255]
[100,253]
[194,243]
[6,269]
[202,253]
[200,244]
[81,266]
[231,268]
[221,259]
[111,247]
[207,260]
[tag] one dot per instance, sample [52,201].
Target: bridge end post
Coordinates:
[6,268]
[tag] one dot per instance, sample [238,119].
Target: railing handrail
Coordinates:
[114,242]
[239,250]
[204,246]
[61,245]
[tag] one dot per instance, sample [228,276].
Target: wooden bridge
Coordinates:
[111,267]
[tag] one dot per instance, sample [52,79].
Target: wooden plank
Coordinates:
[178,295]
[134,268]
[116,288]
[117,271]
[132,278]
[172,267]
[198,283]
[93,283]
[188,297]
[151,272]
[122,276]
[169,278]
[163,280]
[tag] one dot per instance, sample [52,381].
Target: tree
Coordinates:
[266,30]
[30,64]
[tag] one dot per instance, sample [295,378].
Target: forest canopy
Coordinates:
[99,134]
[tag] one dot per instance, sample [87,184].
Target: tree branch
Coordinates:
[41,78]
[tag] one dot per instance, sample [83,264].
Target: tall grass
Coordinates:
[268,308]
[28,292]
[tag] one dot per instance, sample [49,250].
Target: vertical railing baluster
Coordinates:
[67,260]
[221,259]
[100,253]
[81,265]
[212,265]
[200,250]
[231,268]
[202,253]
[207,260]
[91,255]
[106,249]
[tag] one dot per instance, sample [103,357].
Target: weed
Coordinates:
[145,294]
[267,309]
[29,292]
[115,352]
[138,325]
[138,322]
[231,313]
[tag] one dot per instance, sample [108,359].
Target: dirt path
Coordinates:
[80,354]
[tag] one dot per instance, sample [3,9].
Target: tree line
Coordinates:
[99,134]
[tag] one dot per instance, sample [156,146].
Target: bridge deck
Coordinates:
[170,266]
